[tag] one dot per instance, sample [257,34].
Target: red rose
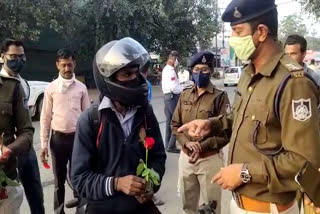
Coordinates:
[149,142]
[3,193]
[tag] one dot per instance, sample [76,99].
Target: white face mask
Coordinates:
[243,46]
[176,63]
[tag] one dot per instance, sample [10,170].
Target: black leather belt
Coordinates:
[62,133]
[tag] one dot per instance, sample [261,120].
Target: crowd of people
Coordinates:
[112,152]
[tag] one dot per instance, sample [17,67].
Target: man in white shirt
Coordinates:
[171,89]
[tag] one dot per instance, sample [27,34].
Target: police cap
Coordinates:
[240,11]
[203,57]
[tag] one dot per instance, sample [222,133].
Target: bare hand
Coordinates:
[307,201]
[131,185]
[5,154]
[193,146]
[44,155]
[229,177]
[194,157]
[197,128]
[145,197]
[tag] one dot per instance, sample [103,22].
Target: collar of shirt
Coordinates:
[107,103]
[4,73]
[269,67]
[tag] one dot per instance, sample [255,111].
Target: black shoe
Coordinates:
[173,150]
[73,203]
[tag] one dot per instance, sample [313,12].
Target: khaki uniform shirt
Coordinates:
[15,122]
[297,131]
[211,103]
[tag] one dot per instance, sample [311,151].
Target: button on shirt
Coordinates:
[170,81]
[125,121]
[61,111]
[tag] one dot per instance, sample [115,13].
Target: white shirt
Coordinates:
[170,81]
[125,121]
[183,76]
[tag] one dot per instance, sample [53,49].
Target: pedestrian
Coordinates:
[274,131]
[106,155]
[312,65]
[16,131]
[200,159]
[27,163]
[171,89]
[296,48]
[64,100]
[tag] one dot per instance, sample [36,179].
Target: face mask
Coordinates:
[176,63]
[130,83]
[15,65]
[200,79]
[243,46]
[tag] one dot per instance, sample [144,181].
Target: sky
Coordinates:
[285,8]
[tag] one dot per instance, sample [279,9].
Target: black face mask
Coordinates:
[130,83]
[15,65]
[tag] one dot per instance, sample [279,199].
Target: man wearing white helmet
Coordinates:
[104,162]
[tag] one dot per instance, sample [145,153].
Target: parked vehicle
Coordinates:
[232,75]
[35,102]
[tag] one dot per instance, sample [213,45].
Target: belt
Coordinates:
[62,133]
[252,205]
[202,154]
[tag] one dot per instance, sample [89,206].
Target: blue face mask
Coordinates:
[200,79]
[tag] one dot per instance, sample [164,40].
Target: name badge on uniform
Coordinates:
[301,109]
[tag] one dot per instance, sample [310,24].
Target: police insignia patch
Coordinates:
[301,109]
[237,13]
[204,60]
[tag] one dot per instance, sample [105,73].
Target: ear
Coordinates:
[263,32]
[57,64]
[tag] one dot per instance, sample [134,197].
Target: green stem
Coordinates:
[147,158]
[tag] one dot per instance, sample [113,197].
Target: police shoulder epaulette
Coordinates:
[297,74]
[290,64]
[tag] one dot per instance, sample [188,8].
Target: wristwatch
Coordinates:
[244,174]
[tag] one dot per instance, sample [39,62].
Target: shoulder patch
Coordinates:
[301,109]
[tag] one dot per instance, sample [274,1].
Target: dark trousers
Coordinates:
[30,178]
[170,103]
[61,151]
[146,208]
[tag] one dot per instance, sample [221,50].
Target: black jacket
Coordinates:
[115,156]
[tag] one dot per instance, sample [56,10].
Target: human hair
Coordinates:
[312,61]
[297,39]
[174,54]
[270,20]
[65,54]
[8,42]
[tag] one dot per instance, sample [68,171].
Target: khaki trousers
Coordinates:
[12,204]
[195,182]
[234,209]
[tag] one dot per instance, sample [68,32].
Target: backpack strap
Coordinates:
[96,122]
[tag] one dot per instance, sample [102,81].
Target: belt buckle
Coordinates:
[237,197]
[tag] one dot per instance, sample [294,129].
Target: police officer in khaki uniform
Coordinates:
[199,160]
[15,129]
[276,122]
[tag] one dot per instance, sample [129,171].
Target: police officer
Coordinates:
[274,131]
[15,125]
[28,163]
[171,89]
[104,163]
[200,159]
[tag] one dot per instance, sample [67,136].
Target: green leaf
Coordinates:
[155,174]
[155,181]
[146,172]
[140,168]
[11,182]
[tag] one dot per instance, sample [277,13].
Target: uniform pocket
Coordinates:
[205,112]
[6,109]
[258,124]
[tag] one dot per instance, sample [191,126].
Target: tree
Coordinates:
[312,6]
[292,24]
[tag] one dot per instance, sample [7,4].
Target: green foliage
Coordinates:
[148,174]
[312,6]
[292,24]
[6,180]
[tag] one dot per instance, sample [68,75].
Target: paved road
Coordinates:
[168,191]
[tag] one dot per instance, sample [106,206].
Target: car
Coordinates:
[232,75]
[35,102]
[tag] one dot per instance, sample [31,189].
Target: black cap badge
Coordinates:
[237,13]
[204,60]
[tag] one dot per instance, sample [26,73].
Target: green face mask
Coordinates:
[243,46]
